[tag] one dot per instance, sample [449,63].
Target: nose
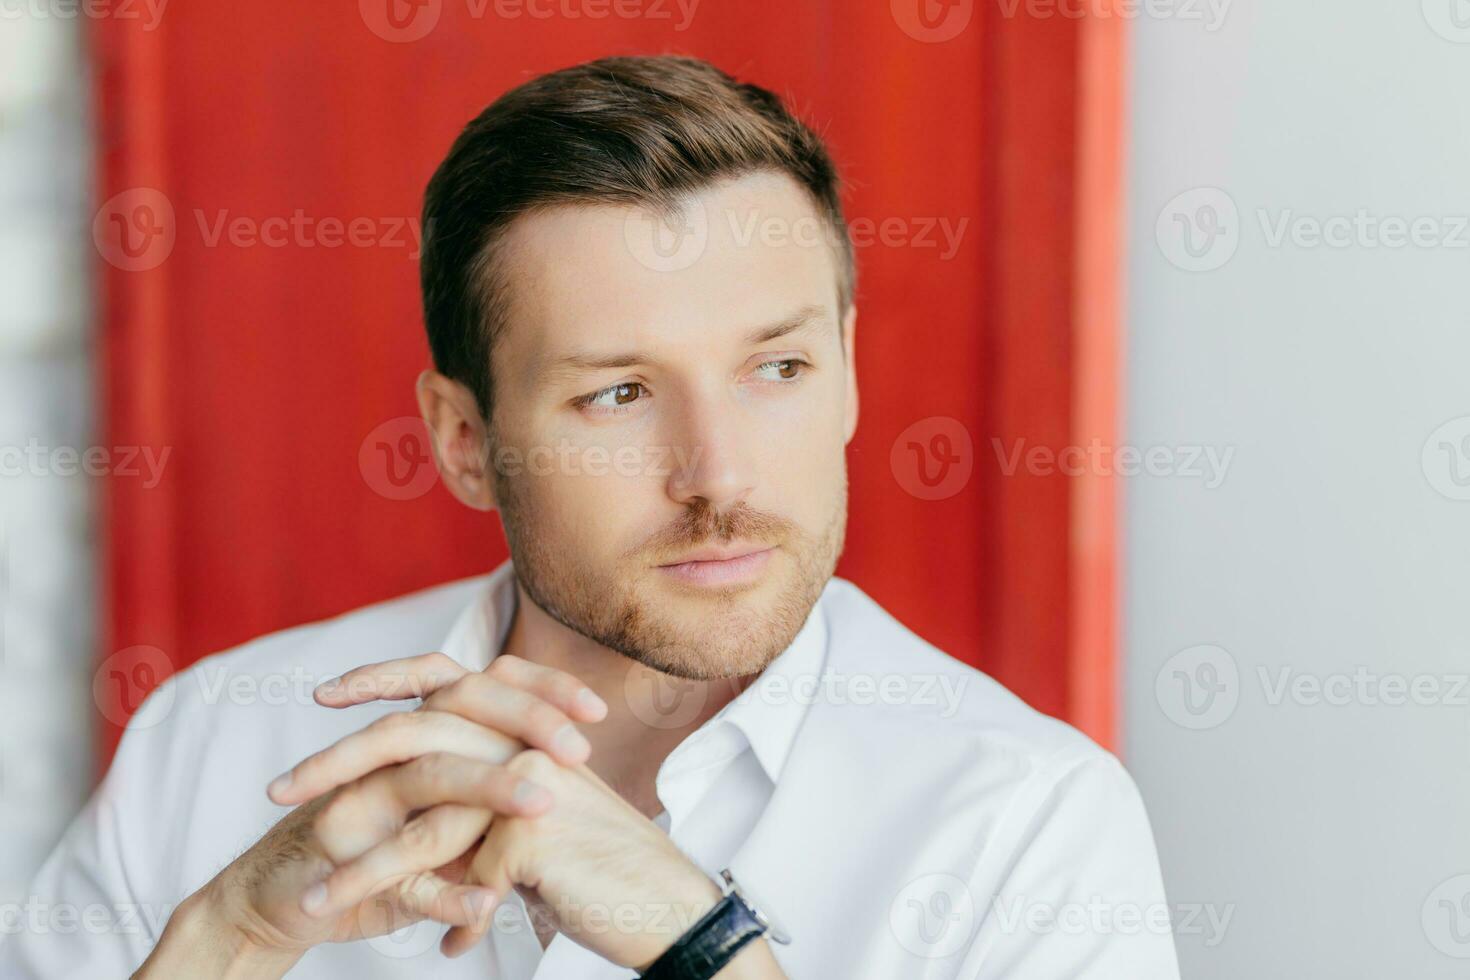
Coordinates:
[710,461]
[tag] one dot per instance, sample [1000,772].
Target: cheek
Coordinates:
[599,490]
[805,466]
[813,474]
[600,507]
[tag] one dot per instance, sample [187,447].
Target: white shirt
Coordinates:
[898,812]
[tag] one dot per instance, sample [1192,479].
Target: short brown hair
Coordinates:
[635,131]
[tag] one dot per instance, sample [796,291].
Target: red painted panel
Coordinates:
[267,367]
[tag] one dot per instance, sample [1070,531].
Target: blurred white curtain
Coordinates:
[47,526]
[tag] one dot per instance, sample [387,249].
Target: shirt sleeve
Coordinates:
[96,907]
[1074,890]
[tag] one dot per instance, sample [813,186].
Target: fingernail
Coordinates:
[315,898]
[530,794]
[279,785]
[591,702]
[328,686]
[569,741]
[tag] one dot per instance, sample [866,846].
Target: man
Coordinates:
[642,746]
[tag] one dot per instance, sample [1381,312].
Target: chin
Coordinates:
[707,663]
[743,632]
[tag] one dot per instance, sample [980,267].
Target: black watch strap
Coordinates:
[709,944]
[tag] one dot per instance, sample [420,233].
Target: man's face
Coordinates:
[669,431]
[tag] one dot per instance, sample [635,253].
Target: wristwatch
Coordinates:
[714,940]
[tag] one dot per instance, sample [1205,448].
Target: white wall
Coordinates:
[1332,832]
[47,599]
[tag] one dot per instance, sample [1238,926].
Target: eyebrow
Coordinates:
[803,319]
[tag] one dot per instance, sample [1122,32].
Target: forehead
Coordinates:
[739,254]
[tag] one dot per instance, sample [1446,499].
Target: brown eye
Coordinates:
[614,396]
[786,370]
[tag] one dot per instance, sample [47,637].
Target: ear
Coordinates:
[849,331]
[461,440]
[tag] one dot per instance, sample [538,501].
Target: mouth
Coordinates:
[720,566]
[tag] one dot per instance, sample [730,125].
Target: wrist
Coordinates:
[728,941]
[694,902]
[201,939]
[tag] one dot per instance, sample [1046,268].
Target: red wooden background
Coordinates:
[265,368]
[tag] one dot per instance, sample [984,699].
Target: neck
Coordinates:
[629,745]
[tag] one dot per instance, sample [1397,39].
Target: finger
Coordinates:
[459,940]
[374,808]
[515,712]
[566,691]
[427,841]
[433,672]
[490,868]
[394,738]
[441,777]
[424,896]
[462,906]
[390,680]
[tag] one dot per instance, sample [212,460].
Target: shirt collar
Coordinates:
[768,713]
[479,631]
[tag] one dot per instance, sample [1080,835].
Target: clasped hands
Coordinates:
[440,811]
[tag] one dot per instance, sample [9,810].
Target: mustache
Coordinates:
[703,522]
